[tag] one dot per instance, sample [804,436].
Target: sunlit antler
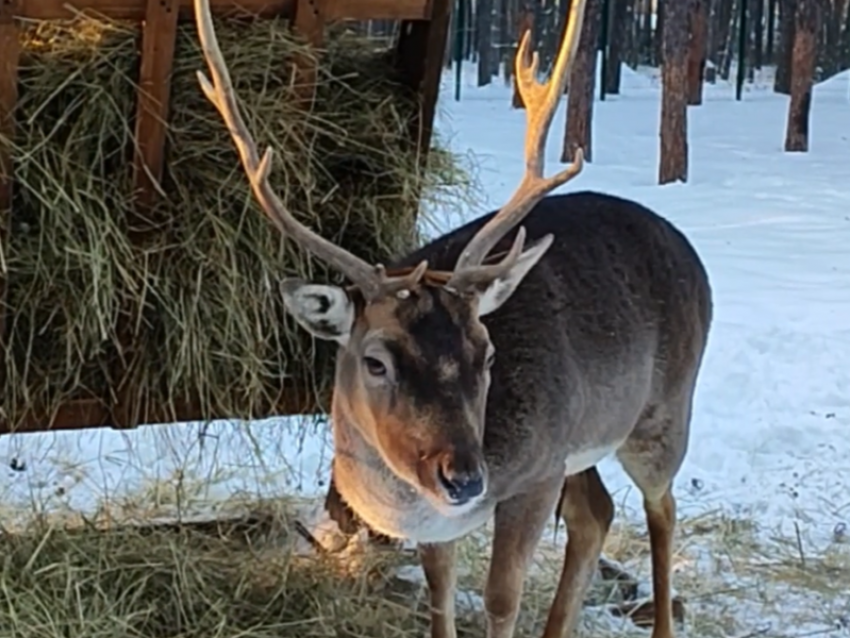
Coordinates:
[540,100]
[370,279]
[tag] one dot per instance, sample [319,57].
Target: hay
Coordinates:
[205,581]
[198,293]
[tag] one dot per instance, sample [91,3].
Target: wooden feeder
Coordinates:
[418,58]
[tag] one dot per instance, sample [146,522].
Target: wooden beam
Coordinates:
[9,55]
[94,413]
[136,9]
[419,59]
[159,37]
[309,23]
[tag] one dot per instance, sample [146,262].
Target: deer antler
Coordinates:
[540,100]
[370,279]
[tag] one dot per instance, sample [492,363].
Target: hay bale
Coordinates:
[200,292]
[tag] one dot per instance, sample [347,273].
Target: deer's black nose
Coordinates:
[461,484]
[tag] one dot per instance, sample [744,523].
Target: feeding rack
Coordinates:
[418,53]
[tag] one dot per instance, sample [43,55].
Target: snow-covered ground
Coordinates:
[770,438]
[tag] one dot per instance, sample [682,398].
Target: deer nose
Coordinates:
[462,482]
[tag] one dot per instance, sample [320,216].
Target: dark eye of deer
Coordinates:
[374,367]
[491,359]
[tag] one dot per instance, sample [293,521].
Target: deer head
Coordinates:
[414,357]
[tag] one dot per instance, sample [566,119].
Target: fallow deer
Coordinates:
[583,343]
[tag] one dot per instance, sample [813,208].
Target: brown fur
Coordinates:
[599,325]
[599,346]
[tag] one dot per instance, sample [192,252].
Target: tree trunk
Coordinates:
[802,75]
[448,58]
[484,14]
[674,105]
[505,23]
[725,69]
[582,84]
[616,45]
[720,45]
[771,36]
[525,22]
[832,53]
[782,80]
[758,34]
[660,17]
[564,16]
[646,33]
[632,45]
[696,50]
[846,38]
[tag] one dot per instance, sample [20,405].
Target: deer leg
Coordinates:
[652,456]
[519,524]
[438,563]
[661,520]
[588,511]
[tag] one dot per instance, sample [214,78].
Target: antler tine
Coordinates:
[541,101]
[369,279]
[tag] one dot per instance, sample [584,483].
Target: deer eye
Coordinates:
[491,358]
[374,366]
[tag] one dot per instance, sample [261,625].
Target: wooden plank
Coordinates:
[135,9]
[94,413]
[9,55]
[419,59]
[309,22]
[159,38]
[378,9]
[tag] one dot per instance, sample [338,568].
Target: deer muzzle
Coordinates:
[456,477]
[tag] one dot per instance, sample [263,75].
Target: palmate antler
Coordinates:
[372,280]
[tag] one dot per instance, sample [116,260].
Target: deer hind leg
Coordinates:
[652,457]
[519,524]
[588,510]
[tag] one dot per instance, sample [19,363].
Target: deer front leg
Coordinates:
[519,524]
[438,563]
[588,510]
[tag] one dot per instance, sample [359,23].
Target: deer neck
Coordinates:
[386,503]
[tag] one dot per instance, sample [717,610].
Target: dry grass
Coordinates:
[211,583]
[198,293]
[242,577]
[733,577]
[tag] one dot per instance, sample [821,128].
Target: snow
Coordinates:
[769,432]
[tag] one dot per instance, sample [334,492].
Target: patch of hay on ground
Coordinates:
[732,577]
[222,581]
[246,571]
[198,292]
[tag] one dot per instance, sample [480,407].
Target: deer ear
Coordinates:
[326,312]
[500,290]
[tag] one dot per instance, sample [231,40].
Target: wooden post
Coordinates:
[9,55]
[309,22]
[159,38]
[419,55]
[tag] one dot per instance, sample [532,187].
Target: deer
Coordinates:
[484,376]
